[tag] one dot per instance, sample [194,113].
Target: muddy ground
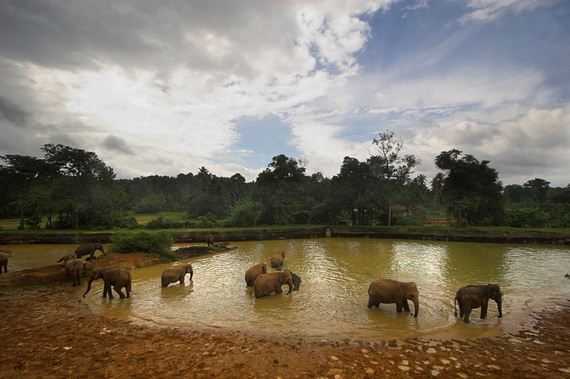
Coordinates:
[50,333]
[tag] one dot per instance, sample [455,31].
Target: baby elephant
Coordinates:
[253,272]
[296,280]
[89,249]
[74,268]
[475,296]
[176,273]
[387,291]
[266,284]
[66,258]
[118,278]
[276,261]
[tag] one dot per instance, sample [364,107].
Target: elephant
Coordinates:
[176,273]
[4,255]
[475,296]
[66,258]
[253,272]
[74,268]
[118,278]
[266,284]
[276,261]
[210,239]
[387,291]
[89,249]
[296,280]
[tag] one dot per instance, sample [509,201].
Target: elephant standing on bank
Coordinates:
[118,278]
[4,255]
[387,291]
[253,272]
[89,249]
[266,284]
[74,268]
[276,261]
[475,296]
[66,258]
[176,273]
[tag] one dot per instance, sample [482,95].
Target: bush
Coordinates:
[112,220]
[204,222]
[144,242]
[409,220]
[526,217]
[245,213]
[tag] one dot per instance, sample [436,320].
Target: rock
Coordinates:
[364,351]
[337,376]
[275,361]
[462,375]
[445,361]
[431,350]
[369,371]
[453,358]
[404,368]
[405,362]
[495,367]
[565,370]
[434,373]
[546,360]
[538,342]
[334,358]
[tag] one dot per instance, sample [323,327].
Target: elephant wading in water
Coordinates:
[4,255]
[475,296]
[276,261]
[387,291]
[74,268]
[253,272]
[266,284]
[89,249]
[176,273]
[118,278]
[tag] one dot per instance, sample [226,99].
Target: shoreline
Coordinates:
[58,336]
[258,234]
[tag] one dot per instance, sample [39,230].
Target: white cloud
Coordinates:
[490,10]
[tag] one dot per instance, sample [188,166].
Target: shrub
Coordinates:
[145,242]
[245,213]
[165,223]
[525,217]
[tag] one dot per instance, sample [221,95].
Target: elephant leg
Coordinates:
[278,290]
[105,290]
[110,292]
[467,312]
[406,305]
[399,307]
[484,311]
[128,289]
[118,290]
[461,308]
[182,280]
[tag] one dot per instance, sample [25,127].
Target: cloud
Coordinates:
[491,10]
[117,144]
[12,112]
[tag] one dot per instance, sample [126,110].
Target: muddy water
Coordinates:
[336,274]
[333,297]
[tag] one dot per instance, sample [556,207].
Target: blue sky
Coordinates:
[164,88]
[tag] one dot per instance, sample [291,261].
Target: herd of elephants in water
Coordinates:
[264,283]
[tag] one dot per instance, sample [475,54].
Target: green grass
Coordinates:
[145,218]
[9,223]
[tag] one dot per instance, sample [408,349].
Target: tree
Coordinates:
[471,189]
[536,189]
[391,169]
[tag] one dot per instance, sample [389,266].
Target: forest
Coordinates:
[70,188]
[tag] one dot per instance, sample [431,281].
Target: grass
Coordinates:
[9,223]
[145,218]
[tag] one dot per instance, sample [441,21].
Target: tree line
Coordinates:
[70,188]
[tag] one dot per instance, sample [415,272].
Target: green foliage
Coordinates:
[245,213]
[526,217]
[143,242]
[471,189]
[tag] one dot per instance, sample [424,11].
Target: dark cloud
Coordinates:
[117,144]
[12,112]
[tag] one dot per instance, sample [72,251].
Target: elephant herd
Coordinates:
[264,283]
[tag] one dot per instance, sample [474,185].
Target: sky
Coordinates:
[161,88]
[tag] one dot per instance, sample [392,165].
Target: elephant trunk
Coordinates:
[88,286]
[290,284]
[416,307]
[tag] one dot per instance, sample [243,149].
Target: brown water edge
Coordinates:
[47,332]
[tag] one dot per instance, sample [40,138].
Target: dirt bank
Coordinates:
[51,333]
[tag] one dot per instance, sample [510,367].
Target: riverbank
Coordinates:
[437,233]
[51,332]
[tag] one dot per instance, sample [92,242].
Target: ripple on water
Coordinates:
[333,298]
